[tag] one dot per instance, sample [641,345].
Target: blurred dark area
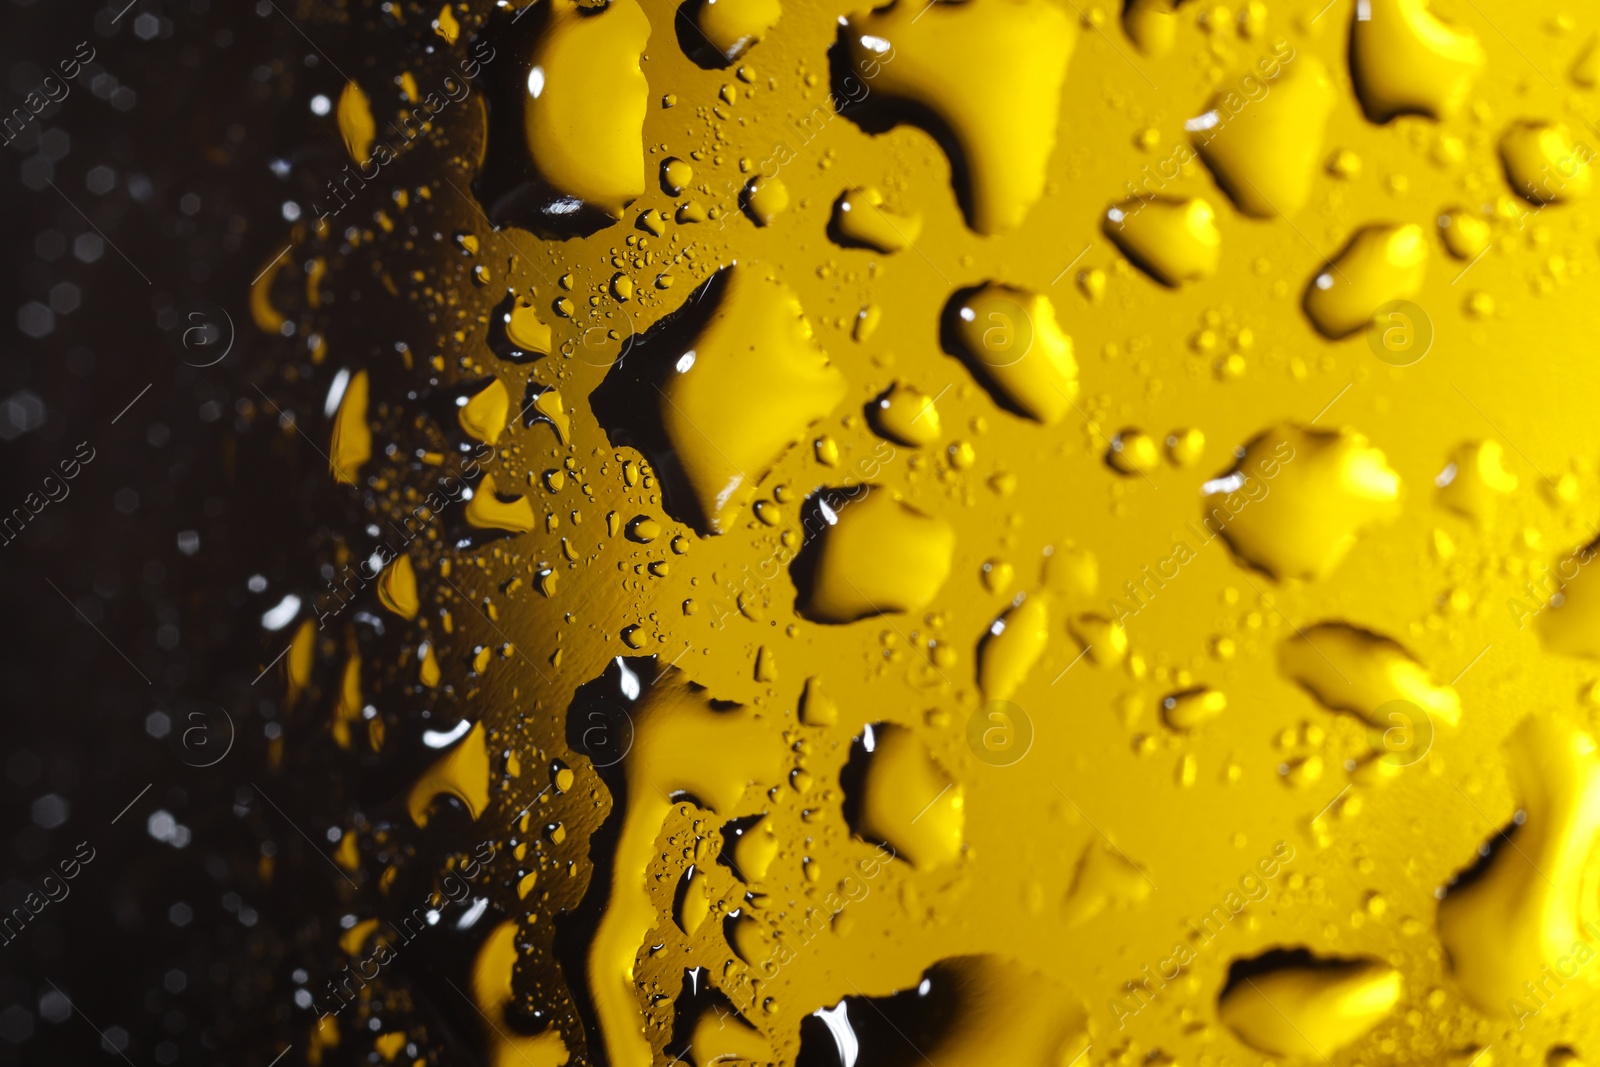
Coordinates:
[156,507]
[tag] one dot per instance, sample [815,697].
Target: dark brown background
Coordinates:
[164,146]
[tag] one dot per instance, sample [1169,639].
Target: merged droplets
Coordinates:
[1348,668]
[583,101]
[967,1011]
[1530,906]
[907,801]
[875,554]
[734,379]
[1405,60]
[586,102]
[492,994]
[682,743]
[1296,500]
[734,382]
[1266,156]
[989,72]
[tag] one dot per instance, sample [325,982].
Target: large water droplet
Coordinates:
[984,76]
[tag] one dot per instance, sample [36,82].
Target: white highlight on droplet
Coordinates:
[441,738]
[473,914]
[341,381]
[837,1020]
[1228,483]
[281,615]
[630,681]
